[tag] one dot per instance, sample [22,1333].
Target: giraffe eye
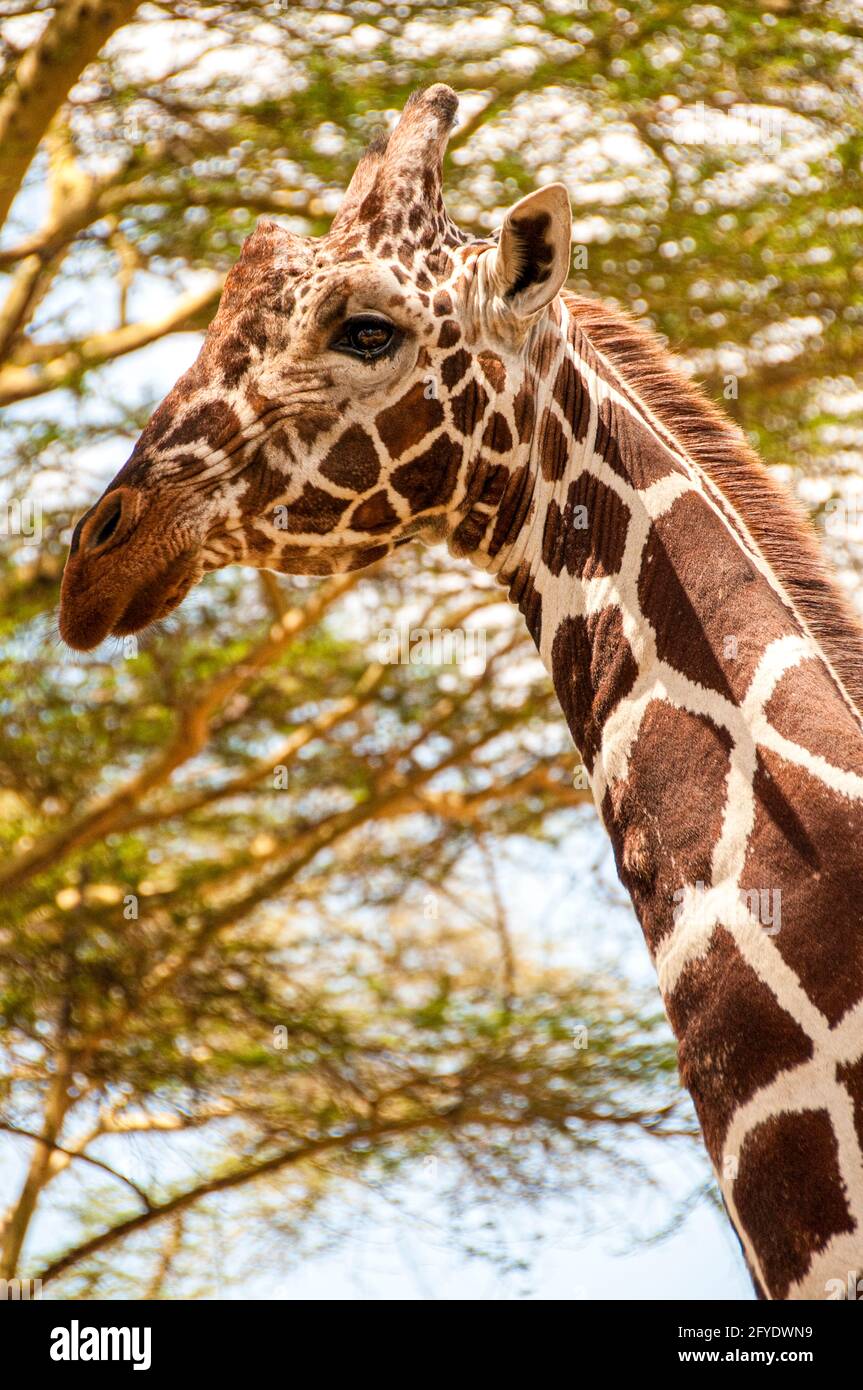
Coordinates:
[365,337]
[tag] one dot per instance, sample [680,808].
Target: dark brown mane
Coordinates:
[777,523]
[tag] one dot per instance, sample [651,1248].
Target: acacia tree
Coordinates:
[245,908]
[255,925]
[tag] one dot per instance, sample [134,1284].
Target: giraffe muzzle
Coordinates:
[123,572]
[90,613]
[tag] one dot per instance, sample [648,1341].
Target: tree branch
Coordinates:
[18,383]
[238,1177]
[190,737]
[48,70]
[80,1156]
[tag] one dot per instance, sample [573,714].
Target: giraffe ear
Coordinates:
[532,258]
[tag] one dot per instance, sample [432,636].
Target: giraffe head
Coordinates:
[345,398]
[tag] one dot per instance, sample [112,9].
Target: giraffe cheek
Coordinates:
[429,480]
[375,514]
[415,416]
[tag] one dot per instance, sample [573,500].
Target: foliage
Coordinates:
[246,990]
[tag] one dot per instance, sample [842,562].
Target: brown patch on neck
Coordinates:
[593,669]
[794,1158]
[777,524]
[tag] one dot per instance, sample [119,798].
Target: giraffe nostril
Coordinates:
[108,527]
[103,523]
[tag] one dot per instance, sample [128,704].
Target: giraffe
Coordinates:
[397,378]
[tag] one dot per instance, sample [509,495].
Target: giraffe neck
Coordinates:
[727,763]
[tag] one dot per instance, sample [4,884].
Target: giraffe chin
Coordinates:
[88,620]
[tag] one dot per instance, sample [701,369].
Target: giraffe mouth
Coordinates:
[159,597]
[90,613]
